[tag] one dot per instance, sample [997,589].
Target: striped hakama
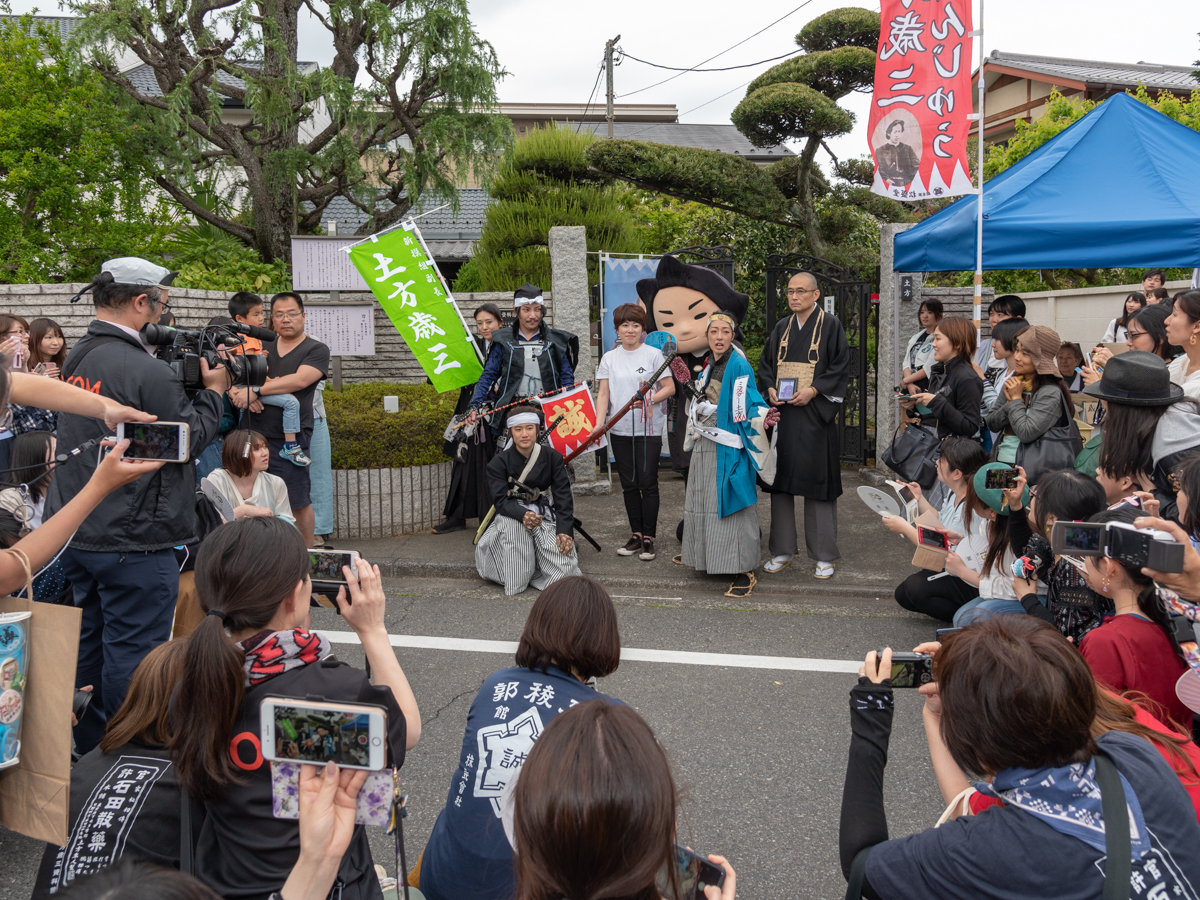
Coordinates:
[711,544]
[512,555]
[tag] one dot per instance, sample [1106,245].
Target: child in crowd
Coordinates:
[1070,605]
[1135,649]
[247,309]
[1188,479]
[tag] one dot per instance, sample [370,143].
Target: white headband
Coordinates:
[525,418]
[525,301]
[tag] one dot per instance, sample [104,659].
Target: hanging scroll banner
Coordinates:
[405,280]
[918,125]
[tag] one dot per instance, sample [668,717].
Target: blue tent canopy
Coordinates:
[1118,188]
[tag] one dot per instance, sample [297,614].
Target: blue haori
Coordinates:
[1067,799]
[740,435]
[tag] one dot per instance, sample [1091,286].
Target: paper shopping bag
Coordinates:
[34,793]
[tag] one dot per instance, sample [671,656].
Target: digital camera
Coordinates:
[187,348]
[1136,547]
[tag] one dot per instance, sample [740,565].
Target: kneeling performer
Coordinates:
[529,542]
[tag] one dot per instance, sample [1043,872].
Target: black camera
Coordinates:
[1137,547]
[909,670]
[185,349]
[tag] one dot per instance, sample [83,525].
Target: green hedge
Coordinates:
[365,437]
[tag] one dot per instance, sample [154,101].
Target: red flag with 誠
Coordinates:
[918,124]
[579,418]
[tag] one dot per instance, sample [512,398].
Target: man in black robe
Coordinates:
[808,463]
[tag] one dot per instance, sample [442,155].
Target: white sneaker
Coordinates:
[824,571]
[778,563]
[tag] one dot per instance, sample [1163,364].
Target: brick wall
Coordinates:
[392,362]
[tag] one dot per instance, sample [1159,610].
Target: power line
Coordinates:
[724,69]
[722,53]
[596,84]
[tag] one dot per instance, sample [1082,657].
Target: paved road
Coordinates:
[759,754]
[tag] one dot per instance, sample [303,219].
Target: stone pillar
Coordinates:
[572,304]
[895,327]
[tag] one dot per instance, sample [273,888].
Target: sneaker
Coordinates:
[295,454]
[824,571]
[632,546]
[449,525]
[647,553]
[778,564]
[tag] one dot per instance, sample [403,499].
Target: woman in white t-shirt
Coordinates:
[244,482]
[636,439]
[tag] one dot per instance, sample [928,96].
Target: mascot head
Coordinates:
[680,298]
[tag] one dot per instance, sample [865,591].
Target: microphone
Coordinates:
[254,331]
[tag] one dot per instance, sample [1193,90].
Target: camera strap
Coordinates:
[72,362]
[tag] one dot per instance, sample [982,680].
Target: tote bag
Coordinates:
[1054,450]
[913,455]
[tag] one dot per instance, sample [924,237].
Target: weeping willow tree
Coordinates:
[545,182]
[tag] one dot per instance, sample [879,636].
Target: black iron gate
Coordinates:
[719,259]
[850,301]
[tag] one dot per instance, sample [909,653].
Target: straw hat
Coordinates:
[1042,344]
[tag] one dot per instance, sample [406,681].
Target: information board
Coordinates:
[347,329]
[319,264]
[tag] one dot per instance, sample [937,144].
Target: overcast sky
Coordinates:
[553,55]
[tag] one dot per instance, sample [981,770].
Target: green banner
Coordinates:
[406,282]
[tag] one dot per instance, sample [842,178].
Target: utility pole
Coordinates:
[608,67]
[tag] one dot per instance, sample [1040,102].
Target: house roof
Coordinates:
[142,78]
[65,25]
[439,225]
[1094,75]
[722,138]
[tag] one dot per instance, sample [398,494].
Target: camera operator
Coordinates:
[1017,705]
[121,560]
[295,366]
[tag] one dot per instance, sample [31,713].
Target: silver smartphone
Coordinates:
[326,565]
[156,440]
[353,735]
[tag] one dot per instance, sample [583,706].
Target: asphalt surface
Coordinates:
[759,754]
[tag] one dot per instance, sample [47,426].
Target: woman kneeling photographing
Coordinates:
[1017,705]
[252,578]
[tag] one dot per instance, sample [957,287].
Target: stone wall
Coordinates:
[392,362]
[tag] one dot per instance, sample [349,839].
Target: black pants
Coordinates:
[939,599]
[637,465]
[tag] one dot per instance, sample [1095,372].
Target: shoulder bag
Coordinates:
[1054,450]
[802,372]
[913,454]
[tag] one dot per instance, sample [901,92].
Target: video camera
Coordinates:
[187,348]
[1137,547]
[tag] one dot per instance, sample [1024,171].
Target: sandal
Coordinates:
[677,559]
[742,590]
[777,564]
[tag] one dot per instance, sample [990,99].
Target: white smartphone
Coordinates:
[156,440]
[353,735]
[326,565]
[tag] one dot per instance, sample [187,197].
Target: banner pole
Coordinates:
[978,310]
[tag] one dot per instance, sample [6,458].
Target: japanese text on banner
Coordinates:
[578,413]
[918,125]
[406,282]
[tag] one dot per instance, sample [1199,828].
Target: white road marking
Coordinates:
[634,654]
[639,597]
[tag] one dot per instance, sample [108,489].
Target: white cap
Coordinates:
[135,270]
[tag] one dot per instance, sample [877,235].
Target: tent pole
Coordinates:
[978,309]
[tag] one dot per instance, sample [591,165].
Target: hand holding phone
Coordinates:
[329,565]
[931,538]
[353,735]
[166,441]
[1000,479]
[697,874]
[362,601]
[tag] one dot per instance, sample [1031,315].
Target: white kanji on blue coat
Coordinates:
[502,751]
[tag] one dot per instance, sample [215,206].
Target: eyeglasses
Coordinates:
[795,292]
[1130,335]
[286,317]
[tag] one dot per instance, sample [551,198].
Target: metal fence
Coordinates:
[376,503]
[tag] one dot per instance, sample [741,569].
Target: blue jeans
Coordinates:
[321,477]
[291,410]
[969,612]
[128,604]
[209,458]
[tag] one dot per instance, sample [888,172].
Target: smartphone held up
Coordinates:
[310,731]
[169,441]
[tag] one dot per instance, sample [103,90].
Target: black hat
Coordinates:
[672,273]
[1136,378]
[528,293]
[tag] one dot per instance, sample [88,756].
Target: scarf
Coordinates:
[1068,800]
[271,653]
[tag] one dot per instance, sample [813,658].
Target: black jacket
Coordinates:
[549,471]
[156,511]
[958,396]
[504,367]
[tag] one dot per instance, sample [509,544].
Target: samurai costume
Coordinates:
[512,555]
[469,496]
[809,451]
[729,446]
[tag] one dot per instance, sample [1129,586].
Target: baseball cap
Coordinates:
[135,270]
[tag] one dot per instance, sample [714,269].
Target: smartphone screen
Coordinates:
[932,538]
[152,440]
[999,479]
[696,873]
[906,495]
[1082,538]
[326,565]
[313,735]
